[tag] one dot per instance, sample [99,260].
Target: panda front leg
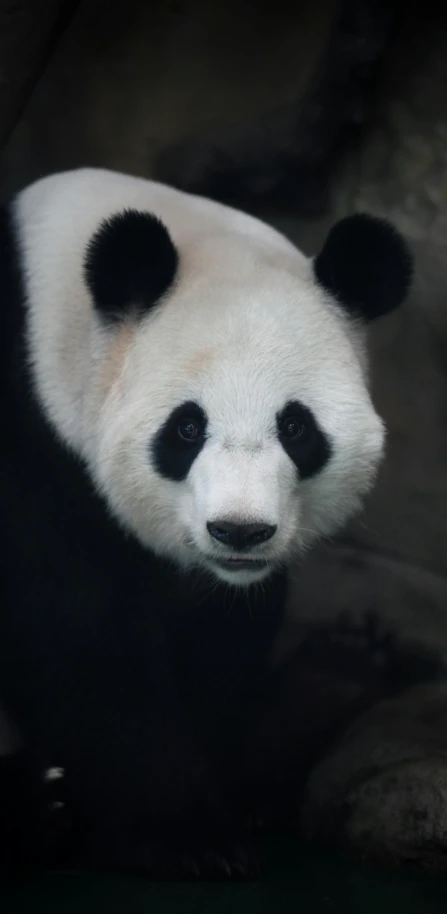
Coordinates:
[140,788]
[164,820]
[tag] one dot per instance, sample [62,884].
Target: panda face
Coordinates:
[211,377]
[231,436]
[241,526]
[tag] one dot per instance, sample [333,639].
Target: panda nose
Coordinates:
[240,536]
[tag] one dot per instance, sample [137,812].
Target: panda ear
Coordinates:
[130,263]
[366,265]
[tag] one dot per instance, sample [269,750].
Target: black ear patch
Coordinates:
[366,265]
[130,263]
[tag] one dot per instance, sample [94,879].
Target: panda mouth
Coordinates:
[234,564]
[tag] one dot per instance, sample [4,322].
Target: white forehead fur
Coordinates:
[244,330]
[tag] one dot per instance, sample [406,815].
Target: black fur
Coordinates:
[311,451]
[137,679]
[366,265]
[173,457]
[130,263]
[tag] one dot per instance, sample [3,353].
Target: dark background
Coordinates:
[300,113]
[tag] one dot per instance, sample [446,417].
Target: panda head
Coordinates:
[226,414]
[236,425]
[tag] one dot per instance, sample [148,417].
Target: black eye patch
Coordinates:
[302,439]
[179,441]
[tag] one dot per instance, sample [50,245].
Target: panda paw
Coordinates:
[221,862]
[235,861]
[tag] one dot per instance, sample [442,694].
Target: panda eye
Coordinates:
[302,439]
[293,429]
[179,441]
[189,430]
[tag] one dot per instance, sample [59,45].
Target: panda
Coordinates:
[186,410]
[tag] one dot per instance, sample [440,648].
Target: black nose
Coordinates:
[240,536]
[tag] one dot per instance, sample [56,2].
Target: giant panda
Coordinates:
[185,410]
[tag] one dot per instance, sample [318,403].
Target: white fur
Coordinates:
[244,330]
